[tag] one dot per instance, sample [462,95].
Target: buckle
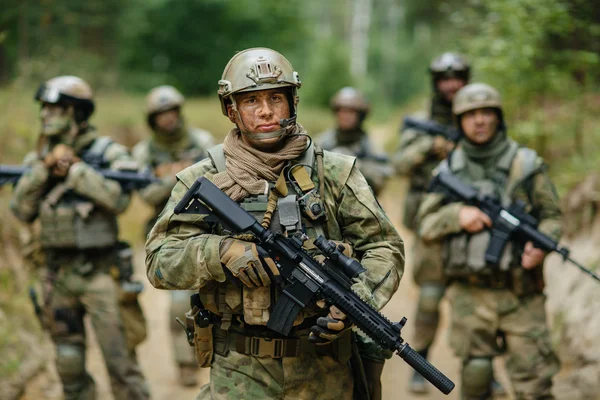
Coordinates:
[266,347]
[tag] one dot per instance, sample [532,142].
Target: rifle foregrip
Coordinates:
[424,367]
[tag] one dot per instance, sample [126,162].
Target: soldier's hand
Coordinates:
[242,259]
[473,220]
[441,147]
[329,328]
[60,159]
[532,256]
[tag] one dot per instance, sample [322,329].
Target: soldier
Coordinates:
[495,309]
[349,137]
[258,93]
[172,147]
[418,154]
[77,209]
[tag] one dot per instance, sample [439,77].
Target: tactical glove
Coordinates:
[242,259]
[329,328]
[60,159]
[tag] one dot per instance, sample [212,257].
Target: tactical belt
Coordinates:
[285,347]
[501,280]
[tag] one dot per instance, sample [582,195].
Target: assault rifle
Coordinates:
[305,279]
[432,128]
[511,223]
[129,180]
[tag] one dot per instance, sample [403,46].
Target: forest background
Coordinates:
[543,56]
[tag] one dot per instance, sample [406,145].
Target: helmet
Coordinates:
[254,69]
[349,97]
[68,90]
[450,65]
[474,96]
[163,98]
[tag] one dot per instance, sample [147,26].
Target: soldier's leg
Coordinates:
[184,354]
[101,303]
[373,359]
[531,363]
[426,325]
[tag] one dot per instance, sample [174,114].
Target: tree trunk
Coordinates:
[361,22]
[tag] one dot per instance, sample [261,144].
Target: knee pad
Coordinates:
[70,363]
[477,376]
[430,297]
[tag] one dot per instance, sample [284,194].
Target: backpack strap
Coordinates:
[94,155]
[217,156]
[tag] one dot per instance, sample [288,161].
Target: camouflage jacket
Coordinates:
[182,253]
[149,154]
[375,167]
[82,179]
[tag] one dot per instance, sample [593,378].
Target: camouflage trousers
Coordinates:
[82,287]
[183,352]
[307,376]
[489,322]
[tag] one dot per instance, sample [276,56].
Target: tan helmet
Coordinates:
[450,65]
[254,69]
[163,98]
[474,96]
[349,97]
[68,90]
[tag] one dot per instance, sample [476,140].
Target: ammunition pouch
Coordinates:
[464,255]
[201,337]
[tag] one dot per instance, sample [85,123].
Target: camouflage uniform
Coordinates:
[179,149]
[375,167]
[416,159]
[501,304]
[183,251]
[79,237]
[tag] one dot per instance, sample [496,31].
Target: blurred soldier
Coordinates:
[418,154]
[325,195]
[495,309]
[77,208]
[349,137]
[172,147]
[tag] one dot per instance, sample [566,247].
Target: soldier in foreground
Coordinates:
[258,93]
[418,154]
[496,309]
[351,108]
[172,147]
[77,209]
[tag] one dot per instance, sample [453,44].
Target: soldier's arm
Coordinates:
[89,183]
[157,193]
[377,244]
[28,192]
[436,220]
[413,151]
[545,200]
[181,253]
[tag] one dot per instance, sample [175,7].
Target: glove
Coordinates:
[60,159]
[242,259]
[329,328]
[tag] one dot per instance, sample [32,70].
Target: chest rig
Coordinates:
[508,180]
[69,220]
[294,204]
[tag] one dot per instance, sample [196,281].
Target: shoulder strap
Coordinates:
[456,160]
[523,167]
[217,156]
[94,155]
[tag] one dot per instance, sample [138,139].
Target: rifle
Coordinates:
[305,279]
[129,180]
[432,128]
[511,223]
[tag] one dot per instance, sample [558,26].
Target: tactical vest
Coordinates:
[301,210]
[70,221]
[465,253]
[194,152]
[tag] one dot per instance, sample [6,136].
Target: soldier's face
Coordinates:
[260,112]
[168,121]
[480,125]
[55,118]
[449,86]
[347,118]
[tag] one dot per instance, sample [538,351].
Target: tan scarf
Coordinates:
[249,170]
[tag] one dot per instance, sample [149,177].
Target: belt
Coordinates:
[495,281]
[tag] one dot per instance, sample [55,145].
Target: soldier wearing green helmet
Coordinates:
[270,166]
[351,108]
[494,309]
[77,208]
[172,147]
